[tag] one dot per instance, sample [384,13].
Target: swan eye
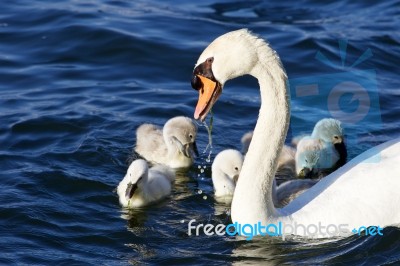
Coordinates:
[336,137]
[210,60]
[191,136]
[306,161]
[236,168]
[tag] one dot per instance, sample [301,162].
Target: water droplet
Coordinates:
[182,221]
[198,175]
[201,170]
[204,166]
[200,191]
[199,166]
[205,197]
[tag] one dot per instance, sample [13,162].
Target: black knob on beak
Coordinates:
[196,82]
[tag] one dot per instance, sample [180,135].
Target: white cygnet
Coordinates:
[142,186]
[173,145]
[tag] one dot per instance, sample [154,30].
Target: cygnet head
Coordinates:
[228,162]
[136,174]
[217,64]
[307,157]
[329,130]
[181,133]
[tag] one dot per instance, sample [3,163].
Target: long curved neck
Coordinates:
[252,201]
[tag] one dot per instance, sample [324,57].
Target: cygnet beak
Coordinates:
[235,178]
[194,148]
[130,190]
[305,173]
[337,140]
[190,150]
[342,150]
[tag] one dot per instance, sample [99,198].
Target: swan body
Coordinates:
[142,186]
[361,193]
[173,145]
[286,168]
[226,168]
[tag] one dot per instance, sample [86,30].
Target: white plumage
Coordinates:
[364,192]
[323,152]
[142,186]
[315,158]
[286,167]
[173,145]
[225,171]
[331,132]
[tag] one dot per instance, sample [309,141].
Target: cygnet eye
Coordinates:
[236,168]
[191,136]
[335,137]
[306,161]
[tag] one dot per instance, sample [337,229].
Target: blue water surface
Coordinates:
[78,77]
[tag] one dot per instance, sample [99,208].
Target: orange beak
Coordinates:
[208,95]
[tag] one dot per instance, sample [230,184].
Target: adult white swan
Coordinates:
[360,193]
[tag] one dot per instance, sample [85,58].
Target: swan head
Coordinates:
[307,157]
[181,132]
[228,162]
[136,174]
[229,56]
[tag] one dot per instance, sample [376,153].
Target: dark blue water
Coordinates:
[78,77]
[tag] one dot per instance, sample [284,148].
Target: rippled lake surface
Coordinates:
[78,77]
